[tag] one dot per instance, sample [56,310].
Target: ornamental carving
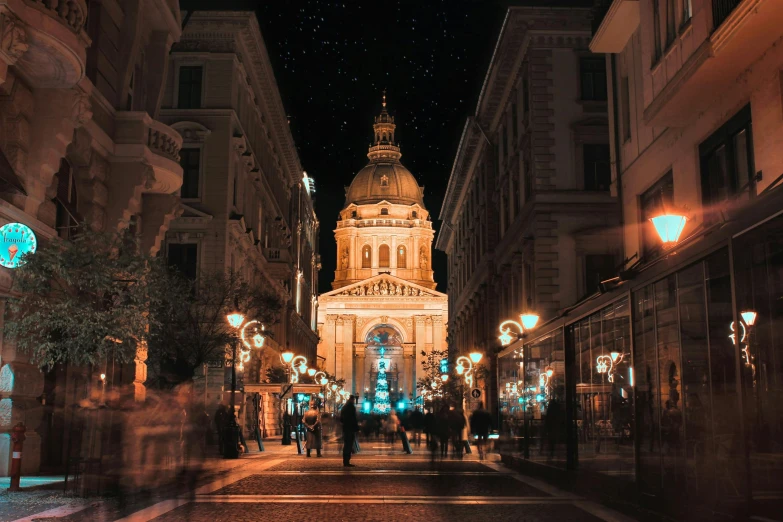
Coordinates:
[81,111]
[423,259]
[14,39]
[344,259]
[385,288]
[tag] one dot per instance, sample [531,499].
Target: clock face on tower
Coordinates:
[16,240]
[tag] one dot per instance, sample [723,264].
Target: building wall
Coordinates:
[88,99]
[253,215]
[518,220]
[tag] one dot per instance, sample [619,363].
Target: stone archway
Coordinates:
[383,366]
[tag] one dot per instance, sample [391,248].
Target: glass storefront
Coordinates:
[603,407]
[677,386]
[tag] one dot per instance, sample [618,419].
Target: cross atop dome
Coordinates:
[384,147]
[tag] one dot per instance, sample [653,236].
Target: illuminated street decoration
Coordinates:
[382,401]
[16,240]
[505,336]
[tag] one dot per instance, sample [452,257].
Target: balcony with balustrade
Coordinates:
[45,40]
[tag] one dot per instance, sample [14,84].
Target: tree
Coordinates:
[84,301]
[191,327]
[432,385]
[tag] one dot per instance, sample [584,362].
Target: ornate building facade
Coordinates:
[384,306]
[247,205]
[81,141]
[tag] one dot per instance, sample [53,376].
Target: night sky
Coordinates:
[332,60]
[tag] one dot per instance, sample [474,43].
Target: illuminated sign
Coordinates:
[16,240]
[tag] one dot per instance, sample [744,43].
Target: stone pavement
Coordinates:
[385,485]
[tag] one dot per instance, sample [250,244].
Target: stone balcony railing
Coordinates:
[137,135]
[72,13]
[45,40]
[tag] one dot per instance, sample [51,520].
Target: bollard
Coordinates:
[17,437]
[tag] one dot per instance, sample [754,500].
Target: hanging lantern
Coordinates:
[749,317]
[529,320]
[669,226]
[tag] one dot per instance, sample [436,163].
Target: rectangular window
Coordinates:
[656,29]
[687,10]
[190,79]
[671,24]
[598,267]
[626,108]
[190,160]
[598,173]
[592,73]
[727,162]
[652,203]
[184,258]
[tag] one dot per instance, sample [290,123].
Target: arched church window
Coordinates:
[383,256]
[384,180]
[366,256]
[66,201]
[384,211]
[353,214]
[415,215]
[401,263]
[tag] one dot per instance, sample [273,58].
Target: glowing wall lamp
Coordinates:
[749,317]
[669,226]
[475,357]
[529,320]
[287,357]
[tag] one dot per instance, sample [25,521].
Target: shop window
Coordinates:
[652,203]
[183,257]
[383,256]
[401,258]
[597,170]
[592,75]
[366,256]
[727,163]
[603,400]
[190,160]
[189,92]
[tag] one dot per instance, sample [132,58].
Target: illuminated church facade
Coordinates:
[383,311]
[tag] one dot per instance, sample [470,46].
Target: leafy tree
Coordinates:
[84,301]
[191,327]
[431,382]
[276,375]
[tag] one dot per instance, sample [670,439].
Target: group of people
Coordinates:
[449,424]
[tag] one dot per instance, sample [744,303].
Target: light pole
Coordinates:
[231,447]
[294,366]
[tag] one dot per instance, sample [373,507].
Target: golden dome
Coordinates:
[384,178]
[384,181]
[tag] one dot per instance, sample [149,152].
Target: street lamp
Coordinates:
[230,448]
[476,357]
[294,365]
[669,226]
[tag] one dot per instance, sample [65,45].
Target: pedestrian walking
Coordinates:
[350,427]
[480,423]
[417,425]
[391,426]
[314,434]
[221,417]
[441,430]
[456,419]
[429,423]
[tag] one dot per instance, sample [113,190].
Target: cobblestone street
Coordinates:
[383,486]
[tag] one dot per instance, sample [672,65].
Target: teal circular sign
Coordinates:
[16,240]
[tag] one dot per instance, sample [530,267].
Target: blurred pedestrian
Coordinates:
[416,424]
[440,427]
[350,427]
[221,418]
[312,422]
[391,426]
[456,424]
[480,423]
[429,422]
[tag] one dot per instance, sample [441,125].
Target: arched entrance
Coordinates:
[382,370]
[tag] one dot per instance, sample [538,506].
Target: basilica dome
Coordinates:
[384,178]
[384,181]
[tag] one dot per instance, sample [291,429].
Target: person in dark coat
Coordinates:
[440,428]
[456,424]
[480,423]
[350,427]
[416,421]
[429,423]
[221,418]
[312,423]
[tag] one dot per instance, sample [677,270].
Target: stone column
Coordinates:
[358,370]
[347,352]
[330,360]
[409,370]
[437,332]
[420,344]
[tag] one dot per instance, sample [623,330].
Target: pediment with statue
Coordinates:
[384,285]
